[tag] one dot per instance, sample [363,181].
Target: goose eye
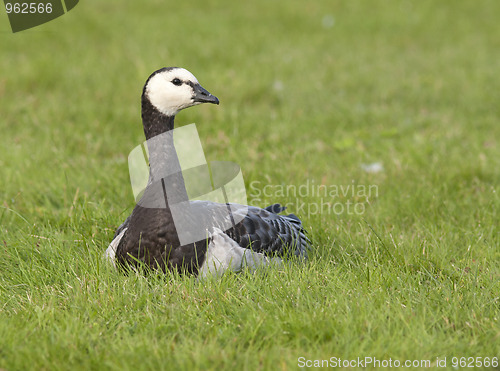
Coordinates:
[177,82]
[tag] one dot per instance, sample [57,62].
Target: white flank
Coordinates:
[224,254]
[111,250]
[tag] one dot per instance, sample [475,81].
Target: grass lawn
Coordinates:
[376,122]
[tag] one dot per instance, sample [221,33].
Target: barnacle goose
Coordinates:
[149,236]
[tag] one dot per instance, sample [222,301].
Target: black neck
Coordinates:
[154,122]
[165,176]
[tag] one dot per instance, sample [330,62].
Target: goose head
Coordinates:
[172,89]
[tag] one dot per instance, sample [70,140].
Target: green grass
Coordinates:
[309,93]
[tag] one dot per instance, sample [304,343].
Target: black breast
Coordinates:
[151,239]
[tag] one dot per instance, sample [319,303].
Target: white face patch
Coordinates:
[167,97]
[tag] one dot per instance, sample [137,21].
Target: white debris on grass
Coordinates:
[373,168]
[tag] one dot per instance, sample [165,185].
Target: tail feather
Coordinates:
[276,208]
[303,243]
